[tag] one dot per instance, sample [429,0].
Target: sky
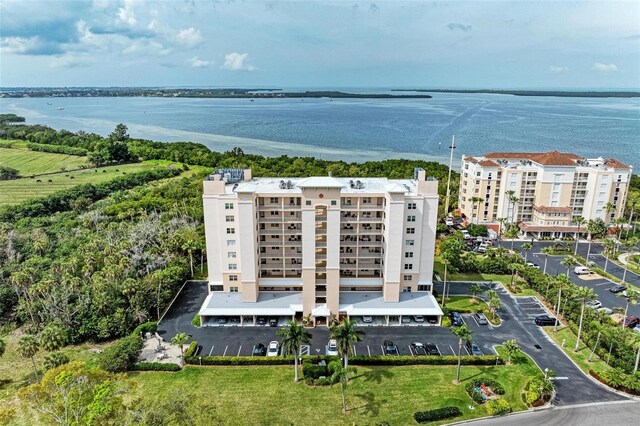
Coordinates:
[431,44]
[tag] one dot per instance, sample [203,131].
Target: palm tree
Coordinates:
[294,335]
[546,251]
[600,318]
[630,245]
[632,202]
[474,201]
[463,334]
[631,297]
[53,337]
[494,303]
[511,347]
[584,294]
[515,200]
[475,290]
[526,247]
[515,267]
[3,347]
[501,221]
[340,374]
[510,195]
[28,348]
[609,207]
[609,249]
[444,284]
[562,281]
[512,233]
[569,262]
[592,227]
[346,335]
[579,220]
[180,340]
[636,345]
[190,244]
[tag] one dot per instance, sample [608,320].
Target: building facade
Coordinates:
[322,247]
[542,190]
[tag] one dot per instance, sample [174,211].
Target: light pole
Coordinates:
[446,203]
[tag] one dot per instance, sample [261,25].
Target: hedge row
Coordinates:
[627,383]
[154,366]
[437,414]
[356,360]
[58,149]
[145,327]
[191,350]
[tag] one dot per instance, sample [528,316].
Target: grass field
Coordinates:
[581,357]
[465,304]
[34,163]
[258,395]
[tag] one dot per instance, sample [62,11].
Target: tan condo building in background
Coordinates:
[543,192]
[319,248]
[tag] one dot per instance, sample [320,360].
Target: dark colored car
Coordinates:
[473,348]
[222,320]
[630,321]
[418,348]
[262,320]
[390,348]
[456,319]
[273,322]
[432,349]
[259,350]
[543,320]
[617,289]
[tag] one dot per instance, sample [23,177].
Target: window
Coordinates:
[408,266]
[233,266]
[233,278]
[366,200]
[406,277]
[409,242]
[229,218]
[233,289]
[274,200]
[215,287]
[231,243]
[308,202]
[424,287]
[334,202]
[231,255]
[411,230]
[231,230]
[408,254]
[411,206]
[228,206]
[411,218]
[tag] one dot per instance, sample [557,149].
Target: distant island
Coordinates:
[558,93]
[71,92]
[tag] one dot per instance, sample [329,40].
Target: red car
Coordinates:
[630,321]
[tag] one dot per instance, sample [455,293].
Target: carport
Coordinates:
[269,304]
[373,304]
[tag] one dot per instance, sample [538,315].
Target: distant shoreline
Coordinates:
[193,93]
[557,93]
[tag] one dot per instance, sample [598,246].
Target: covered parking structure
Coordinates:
[361,304]
[230,305]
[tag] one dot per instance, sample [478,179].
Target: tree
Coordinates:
[494,303]
[180,340]
[510,195]
[569,262]
[546,251]
[609,207]
[464,335]
[7,173]
[630,245]
[444,285]
[631,298]
[474,201]
[294,335]
[53,337]
[632,203]
[585,294]
[609,250]
[511,347]
[578,220]
[562,281]
[600,318]
[526,247]
[120,133]
[3,347]
[512,233]
[346,335]
[340,374]
[28,348]
[636,346]
[190,244]
[55,359]
[515,267]
[475,290]
[501,221]
[514,200]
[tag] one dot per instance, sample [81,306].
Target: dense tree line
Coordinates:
[57,149]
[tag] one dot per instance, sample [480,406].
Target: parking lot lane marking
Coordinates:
[354,350]
[211,351]
[439,353]
[368,350]
[452,351]
[466,350]
[239,349]
[382,349]
[252,350]
[561,378]
[225,350]
[411,351]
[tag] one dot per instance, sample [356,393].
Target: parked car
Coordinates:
[390,348]
[636,328]
[473,348]
[332,348]
[594,304]
[533,265]
[448,221]
[274,348]
[617,289]
[418,348]
[259,350]
[543,320]
[631,321]
[456,319]
[273,322]
[581,270]
[482,248]
[418,318]
[367,319]
[606,310]
[432,320]
[222,320]
[262,320]
[432,349]
[480,318]
[406,320]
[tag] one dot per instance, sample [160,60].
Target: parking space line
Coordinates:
[368,350]
[411,350]
[354,350]
[211,351]
[382,349]
[239,349]
[253,350]
[452,351]
[466,350]
[439,352]
[225,350]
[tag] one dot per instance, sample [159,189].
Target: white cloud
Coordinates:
[236,62]
[125,13]
[70,60]
[604,67]
[189,36]
[199,63]
[17,44]
[148,47]
[557,70]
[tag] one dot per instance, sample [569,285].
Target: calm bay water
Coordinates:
[360,129]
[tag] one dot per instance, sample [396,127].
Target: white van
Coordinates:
[581,270]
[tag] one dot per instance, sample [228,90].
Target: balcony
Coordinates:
[292,207]
[270,219]
[270,207]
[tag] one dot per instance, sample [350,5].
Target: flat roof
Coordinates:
[372,303]
[281,303]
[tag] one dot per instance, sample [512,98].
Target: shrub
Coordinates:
[196,321]
[145,327]
[619,380]
[59,149]
[55,359]
[192,349]
[437,414]
[477,395]
[7,173]
[498,407]
[312,372]
[119,357]
[154,366]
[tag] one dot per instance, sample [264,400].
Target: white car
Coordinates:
[636,328]
[274,348]
[581,270]
[448,222]
[418,318]
[533,265]
[606,310]
[594,304]
[367,319]
[332,348]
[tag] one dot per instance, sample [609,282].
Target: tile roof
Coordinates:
[551,158]
[488,163]
[612,162]
[548,209]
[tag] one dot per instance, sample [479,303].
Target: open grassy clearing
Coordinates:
[34,162]
[256,395]
[465,304]
[581,357]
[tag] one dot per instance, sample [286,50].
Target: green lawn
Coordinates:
[465,304]
[257,395]
[34,162]
[581,357]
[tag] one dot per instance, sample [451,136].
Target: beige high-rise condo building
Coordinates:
[319,248]
[543,192]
